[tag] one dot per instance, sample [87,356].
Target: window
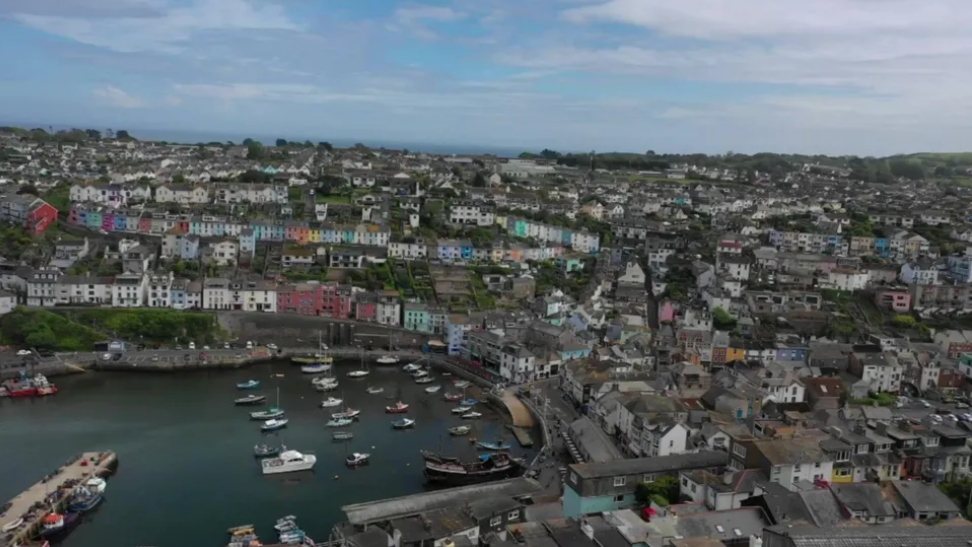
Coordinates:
[513,515]
[620,481]
[495,521]
[739,450]
[650,477]
[619,498]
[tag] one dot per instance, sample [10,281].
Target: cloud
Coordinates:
[414,19]
[83,8]
[171,30]
[118,98]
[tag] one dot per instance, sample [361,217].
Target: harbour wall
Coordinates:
[297,330]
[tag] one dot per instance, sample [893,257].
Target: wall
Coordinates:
[576,506]
[300,331]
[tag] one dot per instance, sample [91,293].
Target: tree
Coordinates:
[663,491]
[255,151]
[326,146]
[123,135]
[179,178]
[248,141]
[457,172]
[281,143]
[28,189]
[479,181]
[722,320]
[93,134]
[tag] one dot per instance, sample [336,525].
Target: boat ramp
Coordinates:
[34,503]
[522,436]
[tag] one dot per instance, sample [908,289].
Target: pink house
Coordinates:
[336,301]
[898,301]
[365,306]
[301,298]
[666,311]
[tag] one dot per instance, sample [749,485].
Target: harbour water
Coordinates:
[187,471]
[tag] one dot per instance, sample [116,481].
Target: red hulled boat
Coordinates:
[399,408]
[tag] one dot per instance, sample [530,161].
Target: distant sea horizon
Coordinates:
[193,137]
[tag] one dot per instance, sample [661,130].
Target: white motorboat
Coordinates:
[375,390]
[325,387]
[412,367]
[420,373]
[461,383]
[285,524]
[424,380]
[387,360]
[433,389]
[361,373]
[461,409]
[288,462]
[348,413]
[273,425]
[471,416]
[339,422]
[331,401]
[316,368]
[356,459]
[96,485]
[323,380]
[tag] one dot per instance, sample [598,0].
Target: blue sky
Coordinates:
[815,76]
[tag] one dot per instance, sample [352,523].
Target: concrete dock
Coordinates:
[36,502]
[522,436]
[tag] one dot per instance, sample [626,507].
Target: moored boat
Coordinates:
[356,459]
[269,414]
[498,445]
[404,423]
[424,380]
[315,368]
[342,435]
[339,422]
[360,373]
[288,461]
[472,416]
[326,386]
[469,402]
[12,525]
[251,400]
[433,389]
[453,397]
[387,360]
[249,384]
[461,383]
[274,425]
[420,373]
[397,408]
[286,523]
[97,485]
[57,524]
[346,414]
[453,471]
[375,390]
[84,500]
[331,402]
[267,451]
[412,367]
[461,409]
[459,430]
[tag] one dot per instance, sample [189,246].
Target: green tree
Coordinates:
[479,181]
[248,141]
[722,320]
[326,146]
[179,178]
[281,143]
[665,488]
[123,135]
[255,151]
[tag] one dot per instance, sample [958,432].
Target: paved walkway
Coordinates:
[520,413]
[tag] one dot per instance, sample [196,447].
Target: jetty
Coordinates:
[36,502]
[522,435]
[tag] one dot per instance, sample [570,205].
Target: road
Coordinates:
[558,413]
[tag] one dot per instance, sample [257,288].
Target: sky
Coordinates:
[804,76]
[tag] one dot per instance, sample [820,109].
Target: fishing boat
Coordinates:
[375,390]
[461,384]
[342,435]
[274,425]
[268,414]
[356,459]
[12,525]
[397,408]
[243,536]
[404,423]
[249,384]
[424,380]
[315,368]
[454,472]
[453,397]
[461,409]
[412,367]
[420,373]
[44,388]
[469,402]
[433,389]
[346,413]
[472,416]
[251,400]
[339,422]
[459,430]
[288,461]
[331,402]
[97,485]
[271,413]
[285,524]
[57,524]
[267,451]
[84,499]
[498,445]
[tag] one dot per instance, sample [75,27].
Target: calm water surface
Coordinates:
[187,469]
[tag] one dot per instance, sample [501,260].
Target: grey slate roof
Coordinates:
[876,536]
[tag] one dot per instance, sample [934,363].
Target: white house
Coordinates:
[846,279]
[471,214]
[129,290]
[517,364]
[159,291]
[663,438]
[8,301]
[216,294]
[77,289]
[919,273]
[225,252]
[181,193]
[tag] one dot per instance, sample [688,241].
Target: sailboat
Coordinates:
[321,357]
[375,390]
[326,382]
[361,372]
[388,359]
[270,413]
[346,413]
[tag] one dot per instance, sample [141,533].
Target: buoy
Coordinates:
[336,477]
[372,447]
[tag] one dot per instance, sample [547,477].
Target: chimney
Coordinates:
[727,478]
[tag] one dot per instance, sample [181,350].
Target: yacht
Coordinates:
[461,383]
[420,373]
[361,372]
[461,409]
[387,360]
[433,389]
[356,459]
[424,380]
[316,368]
[347,413]
[471,416]
[289,461]
[273,425]
[331,401]
[329,385]
[412,367]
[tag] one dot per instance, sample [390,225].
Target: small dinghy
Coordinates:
[387,360]
[339,422]
[461,383]
[273,425]
[420,373]
[398,408]
[11,526]
[251,400]
[433,389]
[469,402]
[356,459]
[459,430]
[411,367]
[461,409]
[375,390]
[404,423]
[249,384]
[269,414]
[471,416]
[424,380]
[453,397]
[316,368]
[331,402]
[342,435]
[267,451]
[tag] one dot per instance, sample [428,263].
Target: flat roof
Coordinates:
[395,508]
[658,464]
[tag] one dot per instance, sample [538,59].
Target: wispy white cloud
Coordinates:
[118,98]
[414,19]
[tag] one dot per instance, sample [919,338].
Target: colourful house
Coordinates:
[417,317]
